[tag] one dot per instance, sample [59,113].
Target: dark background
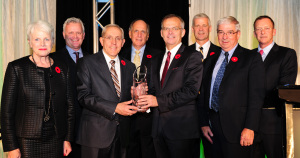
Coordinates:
[152,11]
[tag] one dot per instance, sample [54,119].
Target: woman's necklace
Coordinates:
[47,116]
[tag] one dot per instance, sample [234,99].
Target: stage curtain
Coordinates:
[286,15]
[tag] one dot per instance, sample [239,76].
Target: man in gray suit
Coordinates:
[104,82]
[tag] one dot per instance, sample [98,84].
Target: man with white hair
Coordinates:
[231,95]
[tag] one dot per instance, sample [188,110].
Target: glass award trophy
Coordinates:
[139,85]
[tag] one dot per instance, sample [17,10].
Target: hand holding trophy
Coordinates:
[139,85]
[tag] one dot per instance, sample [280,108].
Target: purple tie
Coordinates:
[77,56]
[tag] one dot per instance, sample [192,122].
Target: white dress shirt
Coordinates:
[266,50]
[173,53]
[117,66]
[205,48]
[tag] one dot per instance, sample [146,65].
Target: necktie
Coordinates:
[201,50]
[261,52]
[115,77]
[77,56]
[215,93]
[137,59]
[165,69]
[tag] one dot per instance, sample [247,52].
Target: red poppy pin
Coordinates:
[57,69]
[212,53]
[234,59]
[177,56]
[123,62]
[149,56]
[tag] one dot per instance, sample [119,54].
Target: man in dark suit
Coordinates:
[176,76]
[201,28]
[73,32]
[281,68]
[141,142]
[231,95]
[104,82]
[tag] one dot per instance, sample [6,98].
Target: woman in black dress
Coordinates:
[37,113]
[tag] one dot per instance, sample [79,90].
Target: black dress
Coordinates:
[48,146]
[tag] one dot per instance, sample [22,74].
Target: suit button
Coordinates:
[53,93]
[55,111]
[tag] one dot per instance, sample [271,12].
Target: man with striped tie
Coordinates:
[201,28]
[104,83]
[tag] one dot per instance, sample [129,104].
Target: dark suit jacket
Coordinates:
[98,97]
[149,54]
[64,55]
[212,48]
[23,102]
[176,114]
[281,68]
[241,93]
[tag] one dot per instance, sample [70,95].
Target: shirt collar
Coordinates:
[108,59]
[230,53]
[141,50]
[71,51]
[204,46]
[175,49]
[266,49]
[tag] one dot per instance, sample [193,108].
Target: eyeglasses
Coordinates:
[110,38]
[230,33]
[266,29]
[173,28]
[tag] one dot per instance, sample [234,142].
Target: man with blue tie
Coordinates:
[231,95]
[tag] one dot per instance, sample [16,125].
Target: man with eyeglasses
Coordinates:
[177,75]
[104,85]
[280,65]
[231,95]
[201,28]
[141,142]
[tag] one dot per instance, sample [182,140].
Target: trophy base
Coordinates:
[141,110]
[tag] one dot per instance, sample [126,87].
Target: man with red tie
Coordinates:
[176,82]
[281,68]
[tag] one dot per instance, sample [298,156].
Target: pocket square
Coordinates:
[175,68]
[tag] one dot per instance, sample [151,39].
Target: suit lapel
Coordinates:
[237,53]
[211,65]
[272,54]
[106,72]
[123,76]
[174,63]
[68,57]
[146,58]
